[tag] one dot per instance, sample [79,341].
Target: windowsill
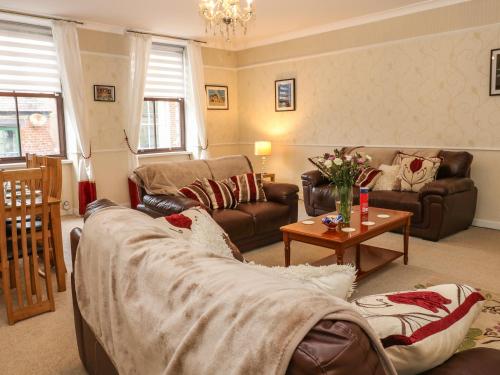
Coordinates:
[161,154]
[22,164]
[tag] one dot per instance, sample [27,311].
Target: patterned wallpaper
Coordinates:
[428,91]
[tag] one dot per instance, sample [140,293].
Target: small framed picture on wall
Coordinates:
[284,92]
[217,97]
[104,93]
[495,72]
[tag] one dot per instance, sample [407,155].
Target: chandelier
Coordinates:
[224,16]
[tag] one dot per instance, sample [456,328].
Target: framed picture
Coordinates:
[495,72]
[217,97]
[284,92]
[104,93]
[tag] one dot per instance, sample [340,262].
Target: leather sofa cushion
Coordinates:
[454,164]
[267,216]
[398,200]
[236,223]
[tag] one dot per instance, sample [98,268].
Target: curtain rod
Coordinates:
[164,36]
[17,13]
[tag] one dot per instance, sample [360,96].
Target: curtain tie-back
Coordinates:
[128,143]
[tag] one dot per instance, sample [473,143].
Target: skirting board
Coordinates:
[491,224]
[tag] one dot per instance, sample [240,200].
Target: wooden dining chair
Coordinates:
[54,171]
[20,250]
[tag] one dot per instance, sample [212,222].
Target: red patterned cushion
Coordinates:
[248,188]
[368,177]
[196,192]
[220,193]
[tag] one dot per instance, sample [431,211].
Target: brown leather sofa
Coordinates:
[441,208]
[330,347]
[250,225]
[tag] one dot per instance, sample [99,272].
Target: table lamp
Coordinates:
[263,149]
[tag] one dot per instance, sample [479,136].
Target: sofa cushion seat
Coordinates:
[398,200]
[267,216]
[236,223]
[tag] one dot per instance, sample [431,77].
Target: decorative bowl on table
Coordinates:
[331,221]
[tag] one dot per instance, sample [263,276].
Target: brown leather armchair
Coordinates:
[330,347]
[443,207]
[249,225]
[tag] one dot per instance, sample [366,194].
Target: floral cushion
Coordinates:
[196,226]
[415,172]
[421,329]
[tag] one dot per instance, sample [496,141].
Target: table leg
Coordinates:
[340,256]
[286,241]
[358,257]
[406,240]
[56,232]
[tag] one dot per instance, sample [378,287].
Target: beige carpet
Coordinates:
[46,344]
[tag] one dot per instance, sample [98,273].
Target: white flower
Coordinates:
[328,163]
[348,157]
[368,157]
[338,161]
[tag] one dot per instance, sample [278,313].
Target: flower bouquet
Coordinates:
[342,171]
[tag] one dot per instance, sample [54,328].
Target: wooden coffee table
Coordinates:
[349,247]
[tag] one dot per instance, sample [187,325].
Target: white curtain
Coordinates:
[196,139]
[75,106]
[70,68]
[140,48]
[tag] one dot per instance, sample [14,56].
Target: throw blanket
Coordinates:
[160,306]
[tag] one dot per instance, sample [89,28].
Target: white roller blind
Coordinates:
[165,76]
[28,59]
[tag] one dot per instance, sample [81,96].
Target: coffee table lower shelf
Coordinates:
[372,258]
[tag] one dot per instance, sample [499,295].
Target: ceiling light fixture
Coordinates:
[224,16]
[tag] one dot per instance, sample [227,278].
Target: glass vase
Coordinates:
[343,203]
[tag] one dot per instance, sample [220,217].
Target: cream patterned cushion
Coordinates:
[421,329]
[415,172]
[388,179]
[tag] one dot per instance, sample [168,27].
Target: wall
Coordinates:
[420,80]
[105,61]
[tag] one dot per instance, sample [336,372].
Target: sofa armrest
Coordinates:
[313,178]
[281,192]
[484,361]
[97,205]
[171,204]
[447,186]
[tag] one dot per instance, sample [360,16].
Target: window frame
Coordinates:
[60,123]
[182,126]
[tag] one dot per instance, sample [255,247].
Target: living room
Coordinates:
[150,95]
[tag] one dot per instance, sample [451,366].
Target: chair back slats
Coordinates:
[54,170]
[21,246]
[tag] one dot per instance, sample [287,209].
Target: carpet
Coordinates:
[46,344]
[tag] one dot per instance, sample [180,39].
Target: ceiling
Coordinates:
[276,19]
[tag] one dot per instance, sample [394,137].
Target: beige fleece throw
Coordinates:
[160,305]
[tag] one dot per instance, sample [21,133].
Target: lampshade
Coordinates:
[262,148]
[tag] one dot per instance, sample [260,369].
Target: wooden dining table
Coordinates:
[56,233]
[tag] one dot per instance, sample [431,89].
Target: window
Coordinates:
[163,120]
[31,106]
